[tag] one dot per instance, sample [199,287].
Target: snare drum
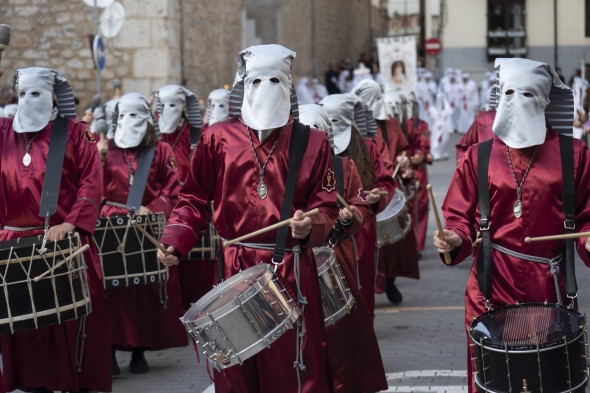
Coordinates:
[530,347]
[394,222]
[241,316]
[127,257]
[59,296]
[337,300]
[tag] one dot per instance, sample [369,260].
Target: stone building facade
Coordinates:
[190,42]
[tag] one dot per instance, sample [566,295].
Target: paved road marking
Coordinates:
[404,375]
[392,309]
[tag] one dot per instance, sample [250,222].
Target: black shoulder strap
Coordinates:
[297,146]
[53,168]
[484,257]
[195,134]
[383,127]
[140,178]
[338,174]
[566,147]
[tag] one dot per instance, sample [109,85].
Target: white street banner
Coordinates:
[397,62]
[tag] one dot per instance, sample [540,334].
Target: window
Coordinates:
[506,30]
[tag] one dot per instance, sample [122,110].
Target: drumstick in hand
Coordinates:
[557,237]
[269,228]
[396,170]
[66,260]
[150,238]
[439,226]
[378,192]
[347,206]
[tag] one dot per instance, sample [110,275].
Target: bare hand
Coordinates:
[452,241]
[344,214]
[417,159]
[300,227]
[102,146]
[168,260]
[407,173]
[59,232]
[373,196]
[144,210]
[404,160]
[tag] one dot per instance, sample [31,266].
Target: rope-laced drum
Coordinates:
[127,256]
[42,287]
[207,247]
[530,347]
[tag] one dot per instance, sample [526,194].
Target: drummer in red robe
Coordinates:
[138,320]
[348,112]
[419,138]
[217,106]
[240,165]
[525,188]
[179,120]
[401,258]
[354,361]
[72,356]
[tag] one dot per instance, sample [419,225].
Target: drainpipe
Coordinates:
[183,80]
[314,60]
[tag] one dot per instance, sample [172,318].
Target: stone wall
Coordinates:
[144,56]
[342,30]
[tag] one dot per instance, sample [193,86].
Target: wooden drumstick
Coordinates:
[66,260]
[439,226]
[347,206]
[396,170]
[150,238]
[378,192]
[269,228]
[557,237]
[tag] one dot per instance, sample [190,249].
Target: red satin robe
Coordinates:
[137,319]
[514,280]
[197,276]
[223,169]
[420,144]
[401,258]
[354,360]
[46,357]
[366,236]
[479,131]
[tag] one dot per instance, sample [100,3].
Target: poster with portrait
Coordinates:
[397,62]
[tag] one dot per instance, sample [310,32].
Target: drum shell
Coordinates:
[206,248]
[552,366]
[245,324]
[126,256]
[58,297]
[394,222]
[337,300]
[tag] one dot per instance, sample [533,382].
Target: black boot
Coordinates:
[393,294]
[115,365]
[138,364]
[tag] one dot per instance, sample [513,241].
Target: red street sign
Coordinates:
[432,46]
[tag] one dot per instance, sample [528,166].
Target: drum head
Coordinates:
[226,292]
[395,206]
[527,325]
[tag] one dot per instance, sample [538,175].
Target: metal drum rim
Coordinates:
[211,295]
[488,390]
[533,349]
[332,319]
[325,266]
[382,217]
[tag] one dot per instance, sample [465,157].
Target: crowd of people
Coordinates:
[231,168]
